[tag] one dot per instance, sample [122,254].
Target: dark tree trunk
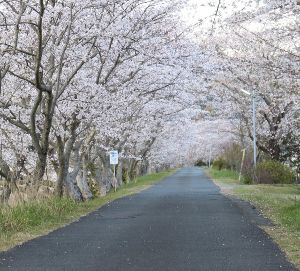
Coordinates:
[82,180]
[40,139]
[120,172]
[10,179]
[59,191]
[64,150]
[133,170]
[5,193]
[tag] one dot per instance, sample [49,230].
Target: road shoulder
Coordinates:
[260,213]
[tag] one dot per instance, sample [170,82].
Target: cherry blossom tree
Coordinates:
[78,73]
[255,47]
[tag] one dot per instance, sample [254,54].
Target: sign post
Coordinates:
[114,160]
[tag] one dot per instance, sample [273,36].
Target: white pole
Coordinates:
[115,180]
[209,161]
[254,126]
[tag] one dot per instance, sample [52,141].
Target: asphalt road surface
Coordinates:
[180,224]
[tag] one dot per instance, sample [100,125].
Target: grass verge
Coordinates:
[29,220]
[280,203]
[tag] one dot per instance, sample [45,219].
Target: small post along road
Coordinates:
[182,223]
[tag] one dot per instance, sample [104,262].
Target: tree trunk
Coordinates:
[59,190]
[106,181]
[41,142]
[71,187]
[64,150]
[120,173]
[10,185]
[4,196]
[144,167]
[132,169]
[275,150]
[101,182]
[70,177]
[82,181]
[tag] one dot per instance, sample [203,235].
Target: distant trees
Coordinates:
[262,54]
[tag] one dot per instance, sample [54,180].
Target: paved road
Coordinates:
[181,224]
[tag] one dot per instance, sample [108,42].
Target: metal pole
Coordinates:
[115,180]
[254,126]
[209,161]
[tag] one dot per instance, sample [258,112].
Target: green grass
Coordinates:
[29,220]
[280,203]
[227,175]
[290,215]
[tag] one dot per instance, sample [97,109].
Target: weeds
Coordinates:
[28,220]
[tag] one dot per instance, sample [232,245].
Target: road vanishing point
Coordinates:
[182,223]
